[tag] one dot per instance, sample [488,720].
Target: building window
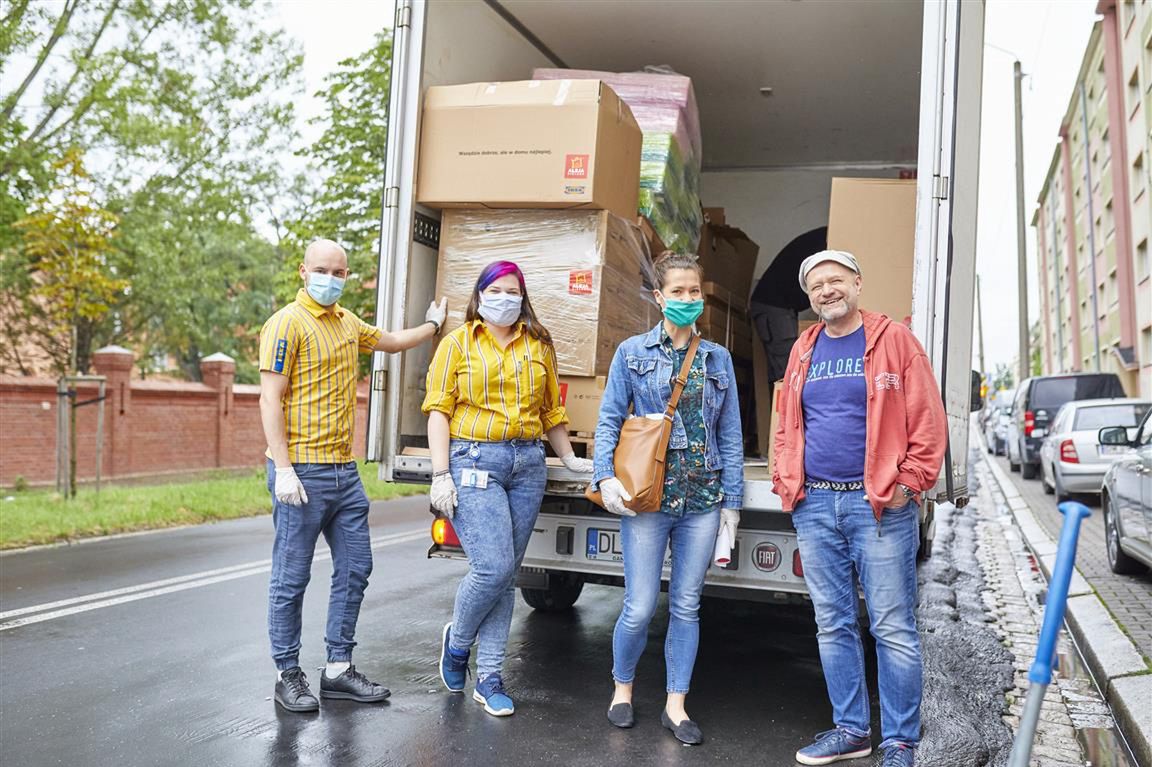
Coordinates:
[1143,267]
[1146,346]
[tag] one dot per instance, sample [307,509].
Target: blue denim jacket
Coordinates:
[640,382]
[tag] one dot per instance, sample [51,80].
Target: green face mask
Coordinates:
[683,313]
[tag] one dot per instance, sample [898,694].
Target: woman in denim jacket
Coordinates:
[703,487]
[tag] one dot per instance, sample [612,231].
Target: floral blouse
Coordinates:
[689,487]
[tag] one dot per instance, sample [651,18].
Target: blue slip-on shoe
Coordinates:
[453,666]
[898,755]
[834,746]
[490,692]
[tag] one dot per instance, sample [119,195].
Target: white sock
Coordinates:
[334,669]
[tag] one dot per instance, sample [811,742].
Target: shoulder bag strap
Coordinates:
[682,378]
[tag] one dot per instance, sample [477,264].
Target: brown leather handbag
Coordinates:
[641,449]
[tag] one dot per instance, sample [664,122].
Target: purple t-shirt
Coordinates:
[835,400]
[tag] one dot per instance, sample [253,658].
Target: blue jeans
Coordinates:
[838,536]
[338,508]
[646,538]
[494,525]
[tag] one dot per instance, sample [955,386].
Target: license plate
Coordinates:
[1039,432]
[603,544]
[1112,449]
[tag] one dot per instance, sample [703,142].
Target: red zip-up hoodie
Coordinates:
[906,431]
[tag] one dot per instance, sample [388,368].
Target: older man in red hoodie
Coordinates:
[861,437]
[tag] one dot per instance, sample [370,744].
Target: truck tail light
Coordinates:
[797,565]
[1068,452]
[1029,422]
[443,534]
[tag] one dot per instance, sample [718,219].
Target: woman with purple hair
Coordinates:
[492,396]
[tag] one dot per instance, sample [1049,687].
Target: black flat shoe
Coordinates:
[621,715]
[686,732]
[352,685]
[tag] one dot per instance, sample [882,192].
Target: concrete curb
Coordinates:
[1112,657]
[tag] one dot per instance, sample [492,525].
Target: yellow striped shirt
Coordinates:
[491,394]
[317,348]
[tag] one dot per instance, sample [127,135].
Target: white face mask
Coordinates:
[500,309]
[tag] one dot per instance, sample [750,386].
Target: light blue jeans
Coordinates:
[839,537]
[338,508]
[646,539]
[494,525]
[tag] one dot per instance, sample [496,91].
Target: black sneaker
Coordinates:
[352,685]
[293,693]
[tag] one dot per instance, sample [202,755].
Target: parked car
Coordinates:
[1035,405]
[996,428]
[1127,498]
[1072,460]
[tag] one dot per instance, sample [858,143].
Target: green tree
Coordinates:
[348,161]
[65,282]
[180,107]
[1003,378]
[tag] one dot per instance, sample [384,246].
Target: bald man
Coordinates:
[309,354]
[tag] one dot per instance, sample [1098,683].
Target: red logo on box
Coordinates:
[580,282]
[575,166]
[563,393]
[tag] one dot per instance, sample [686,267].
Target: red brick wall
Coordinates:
[150,428]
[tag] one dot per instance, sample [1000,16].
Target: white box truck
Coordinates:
[791,94]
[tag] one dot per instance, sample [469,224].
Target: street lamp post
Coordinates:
[1021,252]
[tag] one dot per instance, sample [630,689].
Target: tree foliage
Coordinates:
[62,270]
[180,108]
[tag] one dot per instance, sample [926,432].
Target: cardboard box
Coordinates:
[875,220]
[581,398]
[728,257]
[802,325]
[585,272]
[529,144]
[715,216]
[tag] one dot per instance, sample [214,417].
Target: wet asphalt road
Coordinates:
[184,677]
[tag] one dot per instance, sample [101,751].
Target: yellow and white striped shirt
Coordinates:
[491,394]
[317,348]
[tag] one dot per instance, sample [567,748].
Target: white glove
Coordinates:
[437,313]
[729,520]
[444,495]
[289,489]
[614,495]
[578,465]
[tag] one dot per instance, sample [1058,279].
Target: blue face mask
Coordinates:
[324,288]
[683,313]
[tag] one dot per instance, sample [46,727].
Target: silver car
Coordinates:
[1127,498]
[1072,460]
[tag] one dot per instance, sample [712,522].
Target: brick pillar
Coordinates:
[115,364]
[218,371]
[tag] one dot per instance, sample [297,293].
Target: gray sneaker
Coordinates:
[293,694]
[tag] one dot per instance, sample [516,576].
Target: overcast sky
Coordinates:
[1048,37]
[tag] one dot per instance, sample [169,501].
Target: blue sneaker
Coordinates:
[490,692]
[834,746]
[453,666]
[898,755]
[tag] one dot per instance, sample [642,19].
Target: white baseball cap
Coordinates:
[842,257]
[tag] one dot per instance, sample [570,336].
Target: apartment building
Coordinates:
[1094,215]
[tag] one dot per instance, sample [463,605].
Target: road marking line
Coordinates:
[75,605]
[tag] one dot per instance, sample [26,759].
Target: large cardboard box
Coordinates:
[585,272]
[875,220]
[529,144]
[581,397]
[767,397]
[728,257]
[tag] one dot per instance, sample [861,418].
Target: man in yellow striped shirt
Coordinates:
[309,354]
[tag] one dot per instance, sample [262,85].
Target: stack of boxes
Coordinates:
[665,109]
[545,174]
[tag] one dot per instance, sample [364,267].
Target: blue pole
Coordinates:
[1040,674]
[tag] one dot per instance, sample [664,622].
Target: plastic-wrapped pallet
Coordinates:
[588,276]
[665,109]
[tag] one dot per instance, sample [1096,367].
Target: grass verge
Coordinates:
[36,516]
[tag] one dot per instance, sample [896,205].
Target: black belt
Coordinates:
[827,484]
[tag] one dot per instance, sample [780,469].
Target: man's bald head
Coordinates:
[324,257]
